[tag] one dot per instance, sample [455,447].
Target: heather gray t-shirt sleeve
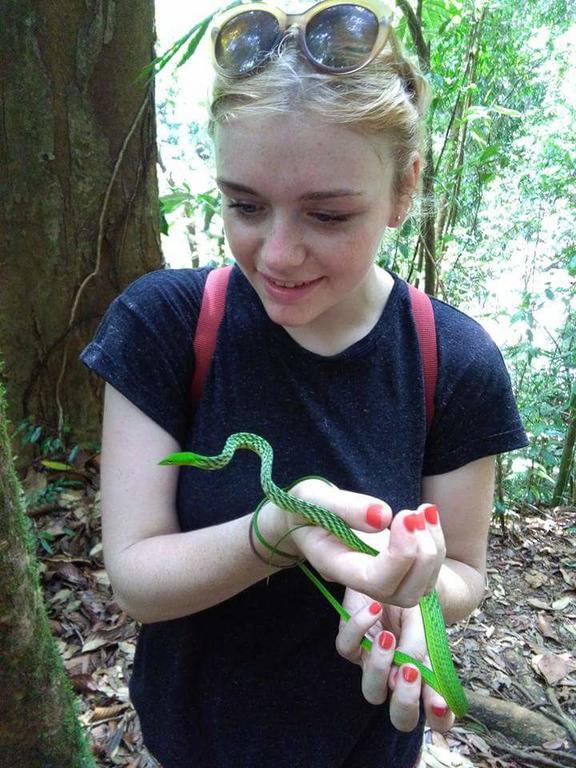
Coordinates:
[475,409]
[143,346]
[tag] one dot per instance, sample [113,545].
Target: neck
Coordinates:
[344,325]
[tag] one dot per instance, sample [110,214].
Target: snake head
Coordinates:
[183,459]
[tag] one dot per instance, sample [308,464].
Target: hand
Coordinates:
[384,625]
[412,550]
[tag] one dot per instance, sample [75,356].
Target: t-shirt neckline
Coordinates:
[358,349]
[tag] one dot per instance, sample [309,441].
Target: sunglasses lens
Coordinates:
[246,40]
[343,36]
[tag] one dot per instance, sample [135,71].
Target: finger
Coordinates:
[438,716]
[377,668]
[405,699]
[409,528]
[434,528]
[358,510]
[352,631]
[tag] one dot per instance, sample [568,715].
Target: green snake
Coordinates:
[442,677]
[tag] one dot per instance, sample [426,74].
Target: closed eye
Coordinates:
[245,209]
[250,210]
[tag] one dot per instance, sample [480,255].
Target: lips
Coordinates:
[289,291]
[289,283]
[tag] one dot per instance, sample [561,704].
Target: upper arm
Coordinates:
[138,496]
[464,499]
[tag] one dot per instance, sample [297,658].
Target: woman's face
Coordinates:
[305,205]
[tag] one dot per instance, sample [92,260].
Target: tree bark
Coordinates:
[426,247]
[80,213]
[524,725]
[567,452]
[38,727]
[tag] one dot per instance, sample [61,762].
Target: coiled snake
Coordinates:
[442,677]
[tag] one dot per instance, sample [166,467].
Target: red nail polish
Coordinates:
[439,711]
[420,521]
[375,608]
[386,640]
[410,523]
[410,674]
[431,514]
[374,516]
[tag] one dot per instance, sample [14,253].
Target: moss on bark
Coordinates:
[39,727]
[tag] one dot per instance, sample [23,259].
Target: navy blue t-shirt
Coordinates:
[256,681]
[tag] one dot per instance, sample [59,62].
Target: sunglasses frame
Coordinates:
[380,9]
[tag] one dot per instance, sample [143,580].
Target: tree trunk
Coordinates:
[567,453]
[38,727]
[80,212]
[427,240]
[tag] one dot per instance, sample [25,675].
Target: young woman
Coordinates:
[317,147]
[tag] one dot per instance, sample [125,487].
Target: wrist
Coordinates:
[270,537]
[274,525]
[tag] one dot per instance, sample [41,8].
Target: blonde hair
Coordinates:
[388,98]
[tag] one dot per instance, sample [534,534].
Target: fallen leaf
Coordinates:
[569,577]
[107,713]
[545,627]
[553,668]
[556,744]
[561,603]
[535,579]
[84,683]
[437,757]
[97,640]
[535,602]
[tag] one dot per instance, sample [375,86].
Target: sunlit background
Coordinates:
[181,97]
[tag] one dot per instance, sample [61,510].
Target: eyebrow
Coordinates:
[323,194]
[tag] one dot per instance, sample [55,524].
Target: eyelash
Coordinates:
[329,218]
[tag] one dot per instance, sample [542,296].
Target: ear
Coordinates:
[409,183]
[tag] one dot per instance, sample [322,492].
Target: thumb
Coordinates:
[358,510]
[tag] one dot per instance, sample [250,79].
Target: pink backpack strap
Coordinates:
[423,314]
[209,319]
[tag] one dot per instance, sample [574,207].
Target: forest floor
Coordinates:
[518,647]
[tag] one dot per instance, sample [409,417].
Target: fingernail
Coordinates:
[410,523]
[375,608]
[410,674]
[431,514]
[386,640]
[420,521]
[375,516]
[439,711]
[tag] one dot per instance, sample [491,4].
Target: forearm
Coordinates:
[174,575]
[460,589]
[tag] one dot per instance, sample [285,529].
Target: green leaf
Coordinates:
[488,153]
[506,111]
[34,437]
[194,42]
[56,465]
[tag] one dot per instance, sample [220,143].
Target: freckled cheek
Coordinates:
[240,241]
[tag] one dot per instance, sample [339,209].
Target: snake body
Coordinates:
[442,677]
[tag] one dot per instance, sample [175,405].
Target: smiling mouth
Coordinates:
[290,284]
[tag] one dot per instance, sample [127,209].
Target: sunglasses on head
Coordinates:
[336,37]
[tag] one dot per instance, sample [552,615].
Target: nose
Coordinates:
[282,247]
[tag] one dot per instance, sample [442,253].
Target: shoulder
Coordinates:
[166,291]
[463,343]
